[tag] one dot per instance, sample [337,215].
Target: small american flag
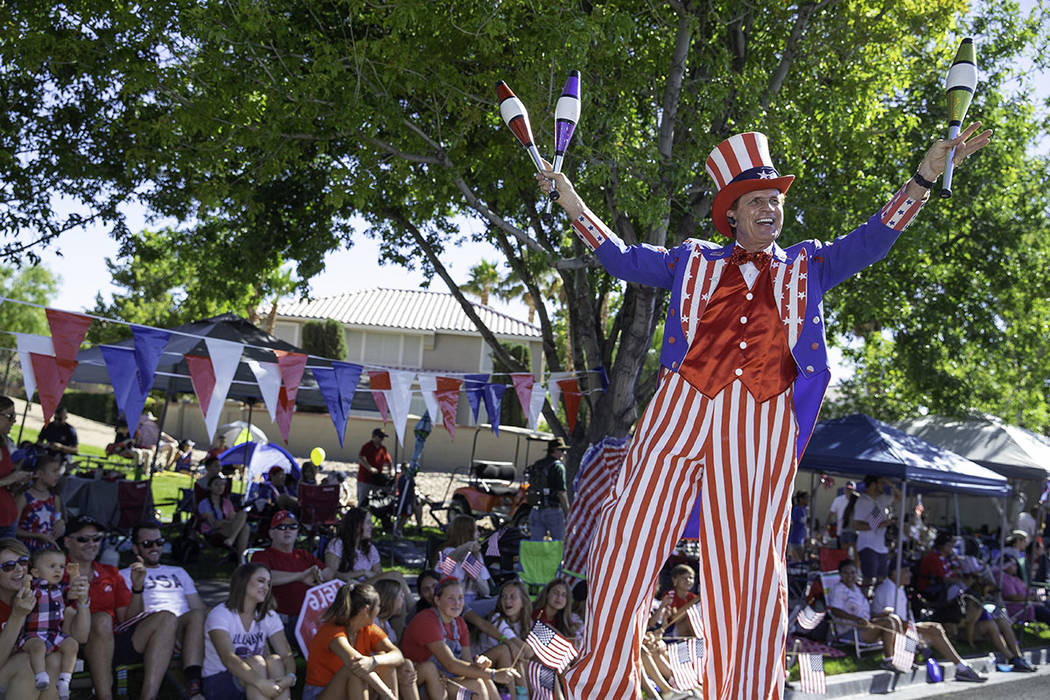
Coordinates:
[541,680]
[552,649]
[446,566]
[903,652]
[685,664]
[461,692]
[808,618]
[693,615]
[811,674]
[473,567]
[492,550]
[877,518]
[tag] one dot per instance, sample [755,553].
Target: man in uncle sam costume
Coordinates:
[744,373]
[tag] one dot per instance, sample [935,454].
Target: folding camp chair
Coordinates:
[540,562]
[318,508]
[840,633]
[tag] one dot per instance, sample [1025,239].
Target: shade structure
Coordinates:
[173,375]
[1006,449]
[258,458]
[860,445]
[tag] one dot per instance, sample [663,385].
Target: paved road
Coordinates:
[1011,686]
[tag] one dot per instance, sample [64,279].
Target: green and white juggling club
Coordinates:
[960,85]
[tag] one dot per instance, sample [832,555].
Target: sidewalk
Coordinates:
[915,684]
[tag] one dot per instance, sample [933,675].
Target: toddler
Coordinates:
[40,524]
[47,628]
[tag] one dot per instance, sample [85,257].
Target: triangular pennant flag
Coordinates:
[28,343]
[67,332]
[149,346]
[329,386]
[474,385]
[570,391]
[122,366]
[523,382]
[536,400]
[347,374]
[400,399]
[379,385]
[52,376]
[552,386]
[447,395]
[493,396]
[268,377]
[202,377]
[603,376]
[428,387]
[291,365]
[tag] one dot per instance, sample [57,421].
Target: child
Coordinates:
[681,593]
[47,627]
[40,523]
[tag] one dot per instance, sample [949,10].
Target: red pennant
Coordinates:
[378,382]
[52,377]
[447,395]
[291,366]
[67,332]
[202,377]
[570,394]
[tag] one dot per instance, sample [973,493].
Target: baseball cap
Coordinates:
[379,432]
[282,516]
[78,523]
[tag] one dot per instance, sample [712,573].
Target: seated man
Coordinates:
[169,594]
[942,585]
[292,571]
[112,604]
[892,599]
[273,494]
[59,437]
[850,608]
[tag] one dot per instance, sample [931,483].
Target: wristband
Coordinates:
[136,591]
[921,181]
[503,637]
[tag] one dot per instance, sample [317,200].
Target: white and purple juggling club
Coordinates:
[566,117]
[513,112]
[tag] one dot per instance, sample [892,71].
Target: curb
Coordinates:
[883,682]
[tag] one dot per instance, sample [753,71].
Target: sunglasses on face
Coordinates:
[9,566]
[149,544]
[8,416]
[84,539]
[287,527]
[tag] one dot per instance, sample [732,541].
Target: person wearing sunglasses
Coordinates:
[112,602]
[11,479]
[293,570]
[175,614]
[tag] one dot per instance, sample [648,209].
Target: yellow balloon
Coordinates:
[317,455]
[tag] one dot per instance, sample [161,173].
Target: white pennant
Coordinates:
[428,385]
[225,356]
[268,377]
[398,399]
[27,343]
[553,388]
[539,395]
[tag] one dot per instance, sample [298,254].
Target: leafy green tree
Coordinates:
[36,285]
[324,339]
[483,281]
[270,126]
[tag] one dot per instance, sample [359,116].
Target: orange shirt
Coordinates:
[324,663]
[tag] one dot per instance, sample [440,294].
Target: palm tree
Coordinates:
[484,278]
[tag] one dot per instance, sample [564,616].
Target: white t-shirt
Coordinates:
[838,507]
[852,600]
[246,642]
[890,595]
[506,629]
[866,506]
[361,560]
[470,586]
[165,588]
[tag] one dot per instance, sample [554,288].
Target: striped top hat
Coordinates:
[739,165]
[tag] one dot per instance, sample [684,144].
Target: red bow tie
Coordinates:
[741,256]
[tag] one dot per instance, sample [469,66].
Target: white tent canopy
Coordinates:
[1006,449]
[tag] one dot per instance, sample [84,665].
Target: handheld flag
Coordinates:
[808,618]
[446,566]
[960,86]
[551,649]
[903,652]
[473,567]
[811,674]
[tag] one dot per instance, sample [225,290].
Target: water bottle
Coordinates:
[933,671]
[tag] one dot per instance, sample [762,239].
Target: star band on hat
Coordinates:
[739,165]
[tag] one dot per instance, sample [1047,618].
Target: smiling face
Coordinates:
[558,597]
[83,545]
[258,588]
[510,602]
[449,603]
[759,216]
[848,575]
[148,545]
[7,417]
[13,570]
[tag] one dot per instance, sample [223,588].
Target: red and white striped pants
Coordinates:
[742,455]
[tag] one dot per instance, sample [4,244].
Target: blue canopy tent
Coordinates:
[258,458]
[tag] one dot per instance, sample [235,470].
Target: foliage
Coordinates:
[483,281]
[266,127]
[324,339]
[34,284]
[170,277]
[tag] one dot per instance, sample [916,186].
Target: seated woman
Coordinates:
[552,609]
[1021,604]
[236,665]
[437,641]
[850,607]
[350,656]
[392,606]
[462,540]
[220,522]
